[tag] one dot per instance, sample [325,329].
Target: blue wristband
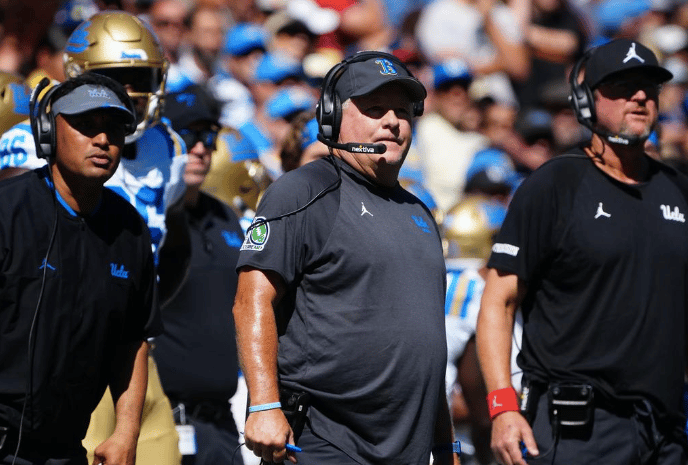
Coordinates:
[454,447]
[261,407]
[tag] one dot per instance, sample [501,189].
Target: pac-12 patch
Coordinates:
[257,235]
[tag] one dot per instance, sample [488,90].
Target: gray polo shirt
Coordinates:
[362,325]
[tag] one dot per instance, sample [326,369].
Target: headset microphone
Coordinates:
[354,147]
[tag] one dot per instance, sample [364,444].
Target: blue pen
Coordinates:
[293,448]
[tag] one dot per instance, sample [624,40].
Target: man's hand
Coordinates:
[267,433]
[508,430]
[116,450]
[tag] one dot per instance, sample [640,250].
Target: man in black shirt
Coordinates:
[77,284]
[595,250]
[341,290]
[197,355]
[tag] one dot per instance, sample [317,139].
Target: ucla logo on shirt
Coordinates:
[232,239]
[118,271]
[257,235]
[421,223]
[673,215]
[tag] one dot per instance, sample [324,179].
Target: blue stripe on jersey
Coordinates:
[451,289]
[469,298]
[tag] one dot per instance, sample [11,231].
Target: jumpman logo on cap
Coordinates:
[631,53]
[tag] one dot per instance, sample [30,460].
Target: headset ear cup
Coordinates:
[46,127]
[336,116]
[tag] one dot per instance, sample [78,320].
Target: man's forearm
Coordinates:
[128,387]
[256,334]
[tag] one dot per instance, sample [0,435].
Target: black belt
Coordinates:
[212,411]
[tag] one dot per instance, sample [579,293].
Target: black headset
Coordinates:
[43,120]
[329,108]
[581,97]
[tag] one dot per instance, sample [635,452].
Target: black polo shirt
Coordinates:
[99,293]
[362,326]
[606,268]
[196,355]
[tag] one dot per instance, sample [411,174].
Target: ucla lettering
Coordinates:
[118,272]
[673,215]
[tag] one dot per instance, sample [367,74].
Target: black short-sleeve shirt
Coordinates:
[362,326]
[606,268]
[99,293]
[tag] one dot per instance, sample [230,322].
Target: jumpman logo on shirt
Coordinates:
[364,210]
[601,212]
[630,54]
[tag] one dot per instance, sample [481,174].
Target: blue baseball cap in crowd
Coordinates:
[278,67]
[309,134]
[612,14]
[90,97]
[289,101]
[491,171]
[450,71]
[244,38]
[191,105]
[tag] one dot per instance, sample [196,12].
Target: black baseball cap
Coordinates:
[190,105]
[622,55]
[363,77]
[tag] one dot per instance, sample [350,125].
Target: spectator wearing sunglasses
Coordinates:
[196,355]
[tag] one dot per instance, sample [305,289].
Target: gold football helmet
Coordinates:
[236,176]
[470,227]
[14,101]
[119,45]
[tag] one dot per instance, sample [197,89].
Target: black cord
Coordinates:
[236,449]
[32,330]
[320,194]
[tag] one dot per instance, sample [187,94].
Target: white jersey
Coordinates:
[152,181]
[464,291]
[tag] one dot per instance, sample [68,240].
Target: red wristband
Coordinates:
[502,400]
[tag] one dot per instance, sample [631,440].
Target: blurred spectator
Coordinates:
[274,72]
[244,47]
[555,33]
[168,20]
[196,354]
[207,28]
[484,33]
[282,108]
[47,61]
[619,18]
[295,28]
[301,145]
[25,22]
[492,175]
[444,142]
[566,131]
[498,119]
